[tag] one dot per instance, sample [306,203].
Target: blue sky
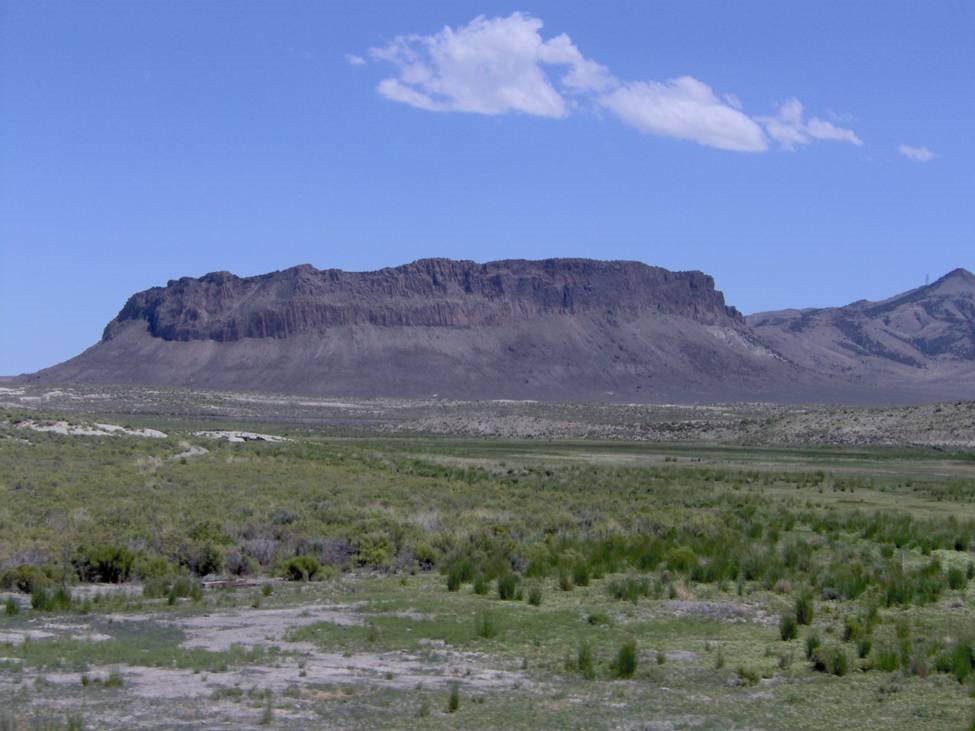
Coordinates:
[141,142]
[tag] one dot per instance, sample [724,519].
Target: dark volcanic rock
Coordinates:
[559,329]
[568,329]
[426,293]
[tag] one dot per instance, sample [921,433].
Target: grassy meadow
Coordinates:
[417,582]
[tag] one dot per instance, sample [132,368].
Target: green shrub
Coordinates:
[788,627]
[302,568]
[580,575]
[453,580]
[375,551]
[804,608]
[956,578]
[508,587]
[864,645]
[208,560]
[748,675]
[425,556]
[885,656]
[853,630]
[629,588]
[485,625]
[24,578]
[597,618]
[172,588]
[43,600]
[535,596]
[565,581]
[481,585]
[153,568]
[453,700]
[831,659]
[11,608]
[961,660]
[626,660]
[812,644]
[584,661]
[105,563]
[681,559]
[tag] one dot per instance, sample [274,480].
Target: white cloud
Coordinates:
[789,129]
[687,109]
[502,65]
[918,154]
[489,66]
[354,60]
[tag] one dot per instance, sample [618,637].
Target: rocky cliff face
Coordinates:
[427,293]
[560,329]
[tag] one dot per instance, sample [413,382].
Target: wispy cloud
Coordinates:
[504,65]
[918,154]
[687,109]
[354,60]
[789,128]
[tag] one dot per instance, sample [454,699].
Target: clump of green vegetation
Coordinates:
[957,579]
[804,608]
[11,608]
[106,563]
[535,596]
[509,587]
[626,660]
[267,714]
[629,588]
[565,581]
[958,660]
[885,656]
[173,588]
[44,600]
[585,662]
[453,700]
[481,585]
[458,574]
[788,627]
[747,675]
[831,659]
[24,578]
[485,625]
[812,644]
[302,568]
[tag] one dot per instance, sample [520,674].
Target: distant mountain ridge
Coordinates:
[556,329]
[930,329]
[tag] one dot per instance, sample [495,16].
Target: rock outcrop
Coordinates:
[427,293]
[558,329]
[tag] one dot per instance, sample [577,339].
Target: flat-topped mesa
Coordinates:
[429,292]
